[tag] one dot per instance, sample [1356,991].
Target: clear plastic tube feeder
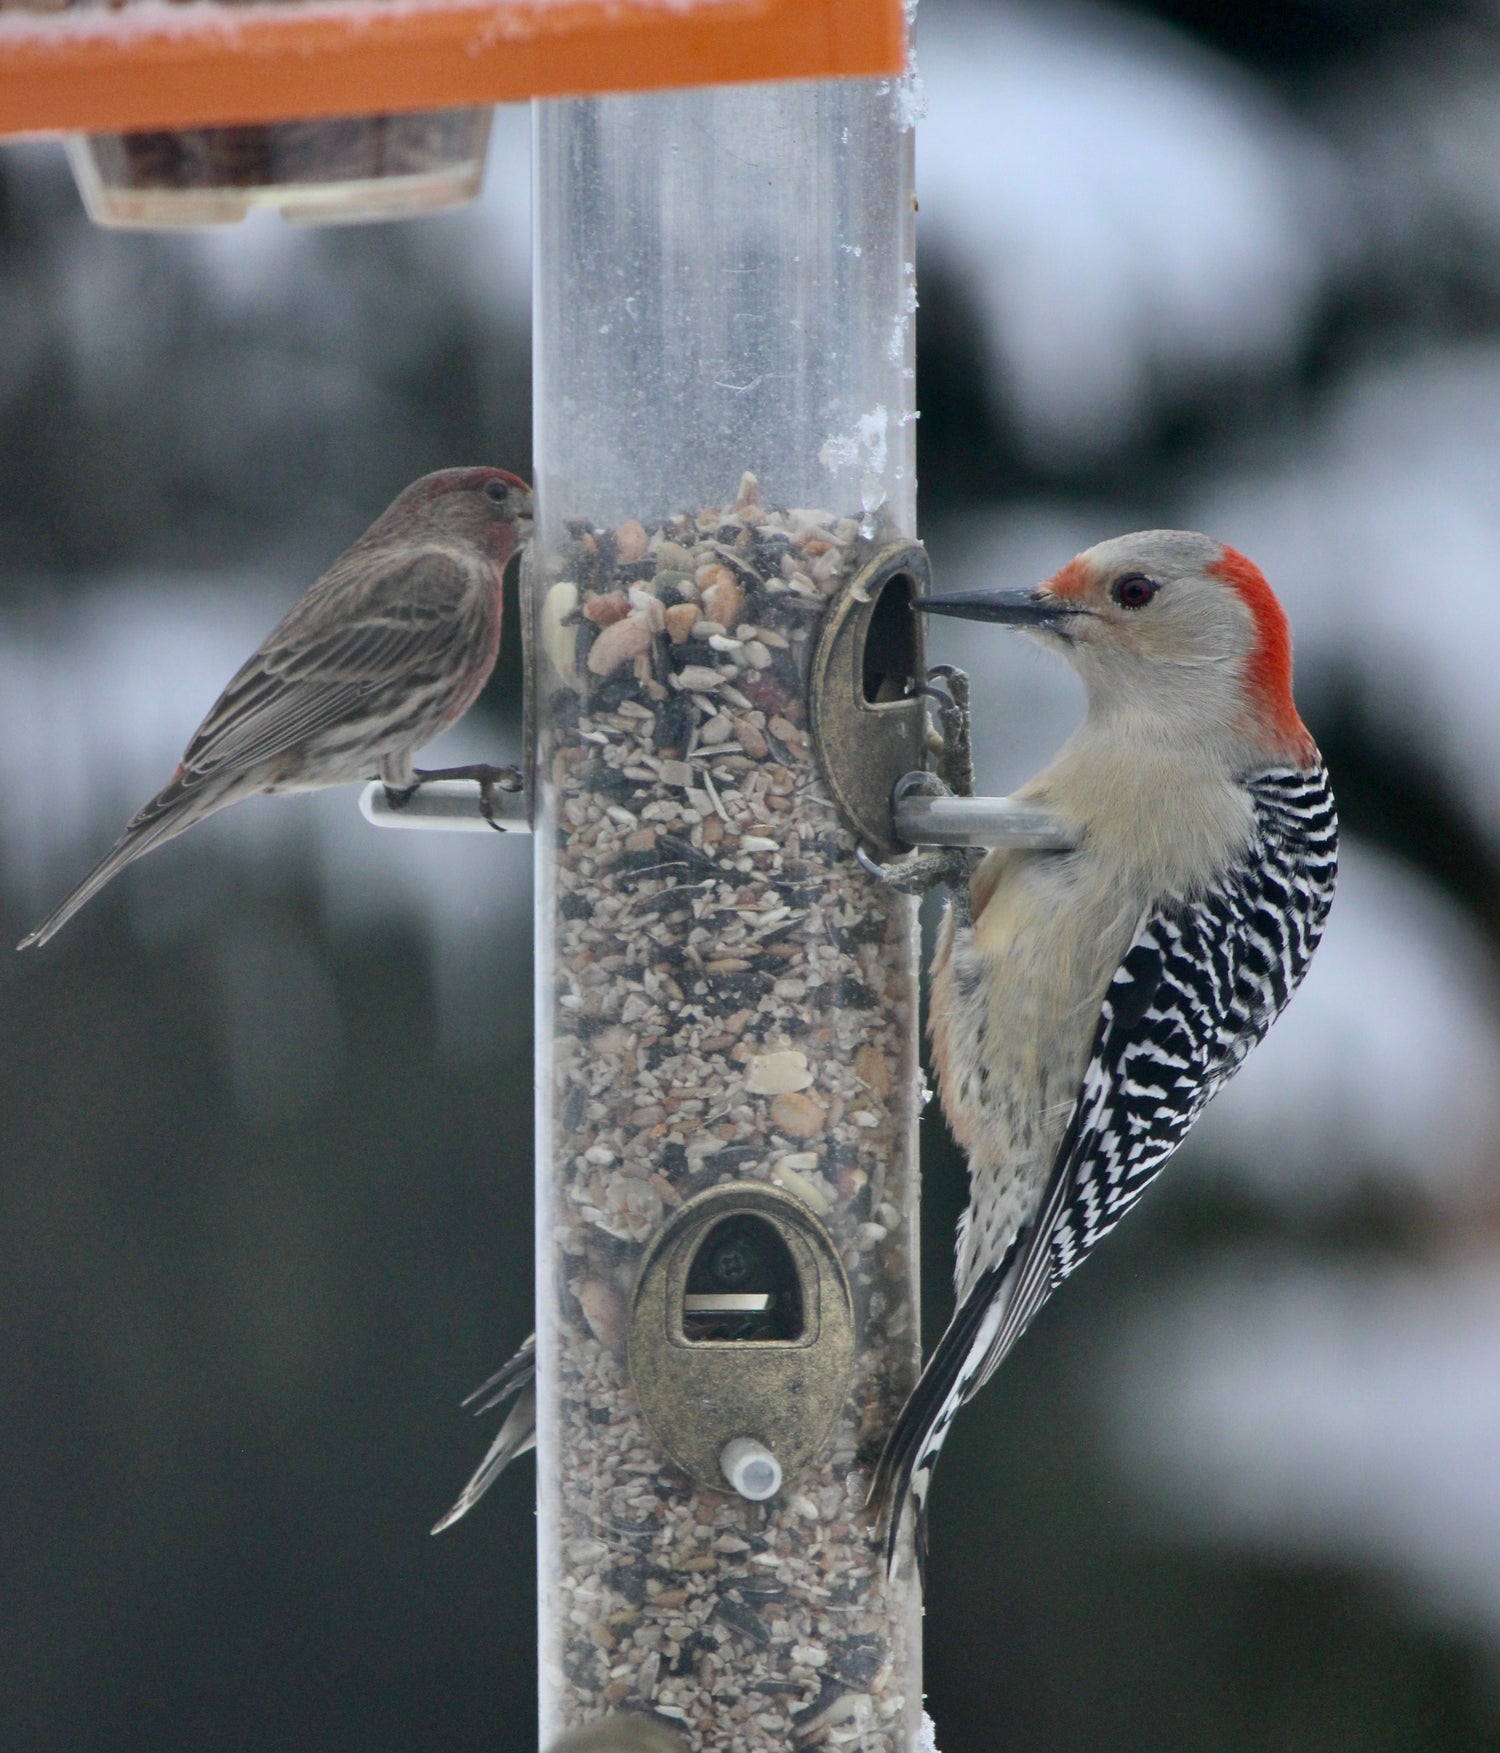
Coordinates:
[727,1003]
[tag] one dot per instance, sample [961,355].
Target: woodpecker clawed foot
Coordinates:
[956,762]
[915,874]
[489,779]
[921,871]
[397,797]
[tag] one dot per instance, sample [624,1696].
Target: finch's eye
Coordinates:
[497,490]
[1134,590]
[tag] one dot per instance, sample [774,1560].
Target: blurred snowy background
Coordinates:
[265,1107]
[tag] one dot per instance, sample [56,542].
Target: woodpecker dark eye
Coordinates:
[1134,590]
[497,490]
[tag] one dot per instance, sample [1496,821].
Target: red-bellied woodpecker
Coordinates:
[1086,1004]
[390,646]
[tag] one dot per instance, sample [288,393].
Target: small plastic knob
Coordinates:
[751,1468]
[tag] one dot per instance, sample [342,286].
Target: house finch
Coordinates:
[514,1437]
[389,647]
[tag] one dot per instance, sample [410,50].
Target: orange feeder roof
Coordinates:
[186,63]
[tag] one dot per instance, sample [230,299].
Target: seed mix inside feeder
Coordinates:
[733,1003]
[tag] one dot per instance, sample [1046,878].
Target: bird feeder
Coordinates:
[727,1003]
[723,673]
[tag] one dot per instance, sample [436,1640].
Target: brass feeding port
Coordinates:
[741,1337]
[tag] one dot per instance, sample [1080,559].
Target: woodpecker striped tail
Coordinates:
[911,1451]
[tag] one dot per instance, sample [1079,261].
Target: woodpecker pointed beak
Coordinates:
[1013,608]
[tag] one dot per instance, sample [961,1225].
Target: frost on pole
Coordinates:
[727,1317]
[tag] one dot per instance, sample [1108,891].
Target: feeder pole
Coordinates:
[727,1082]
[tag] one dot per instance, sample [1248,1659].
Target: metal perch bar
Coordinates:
[978,821]
[453,805]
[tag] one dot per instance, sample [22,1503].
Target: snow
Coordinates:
[1119,207]
[1380,530]
[485,247]
[1423,156]
[167,19]
[1344,1411]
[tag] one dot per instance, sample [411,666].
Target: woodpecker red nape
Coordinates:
[1269,669]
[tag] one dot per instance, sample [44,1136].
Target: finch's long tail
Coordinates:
[514,1437]
[174,808]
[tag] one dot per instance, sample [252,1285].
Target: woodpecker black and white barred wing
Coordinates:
[1202,983]
[1203,980]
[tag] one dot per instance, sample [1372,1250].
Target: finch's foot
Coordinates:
[489,779]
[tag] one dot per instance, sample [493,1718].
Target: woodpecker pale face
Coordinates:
[1166,623]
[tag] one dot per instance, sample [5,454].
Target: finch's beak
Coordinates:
[1013,608]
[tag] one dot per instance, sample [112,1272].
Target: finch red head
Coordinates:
[390,646]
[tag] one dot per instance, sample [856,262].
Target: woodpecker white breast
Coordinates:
[1086,1004]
